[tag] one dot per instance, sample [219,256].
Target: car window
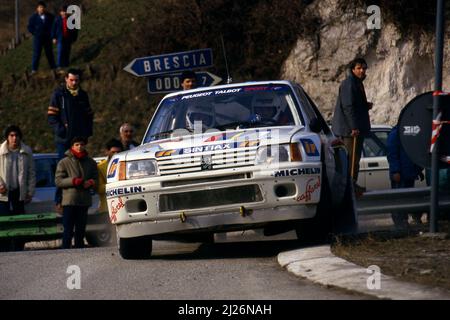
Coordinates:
[374,147]
[247,106]
[382,136]
[311,109]
[45,172]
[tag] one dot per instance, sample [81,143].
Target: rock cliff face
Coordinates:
[400,66]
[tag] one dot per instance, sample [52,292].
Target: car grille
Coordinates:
[226,159]
[209,198]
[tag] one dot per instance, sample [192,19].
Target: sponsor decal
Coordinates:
[311,186]
[310,148]
[164,153]
[211,93]
[115,208]
[215,147]
[124,191]
[295,172]
[411,130]
[113,168]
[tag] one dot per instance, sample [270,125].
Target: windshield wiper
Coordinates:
[167,133]
[246,124]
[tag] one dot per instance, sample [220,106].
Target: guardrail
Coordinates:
[406,200]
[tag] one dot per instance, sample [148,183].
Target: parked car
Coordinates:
[228,158]
[374,167]
[98,230]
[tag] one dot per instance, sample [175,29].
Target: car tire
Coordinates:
[135,248]
[102,238]
[330,219]
[318,229]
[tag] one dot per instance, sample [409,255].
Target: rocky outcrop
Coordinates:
[400,66]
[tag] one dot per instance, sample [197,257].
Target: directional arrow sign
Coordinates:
[173,62]
[172,82]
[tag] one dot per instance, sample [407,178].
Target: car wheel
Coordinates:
[330,218]
[100,239]
[319,228]
[135,248]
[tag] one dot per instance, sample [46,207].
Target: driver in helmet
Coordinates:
[266,107]
[199,116]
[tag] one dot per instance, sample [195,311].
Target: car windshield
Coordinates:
[224,109]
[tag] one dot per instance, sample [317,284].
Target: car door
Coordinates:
[374,167]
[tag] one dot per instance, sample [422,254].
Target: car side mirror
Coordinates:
[314,125]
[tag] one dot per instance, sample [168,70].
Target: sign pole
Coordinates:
[434,205]
[17,22]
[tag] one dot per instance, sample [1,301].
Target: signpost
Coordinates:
[170,63]
[172,82]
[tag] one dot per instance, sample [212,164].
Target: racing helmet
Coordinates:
[202,114]
[266,105]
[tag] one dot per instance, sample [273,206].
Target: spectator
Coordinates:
[351,119]
[113,146]
[70,115]
[188,80]
[402,172]
[63,37]
[17,174]
[40,26]
[126,132]
[76,175]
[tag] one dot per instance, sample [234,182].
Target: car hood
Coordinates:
[215,141]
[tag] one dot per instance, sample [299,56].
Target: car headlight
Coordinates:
[273,154]
[140,169]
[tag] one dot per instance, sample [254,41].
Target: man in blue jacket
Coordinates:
[40,26]
[63,37]
[402,172]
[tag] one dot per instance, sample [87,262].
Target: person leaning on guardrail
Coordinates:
[17,173]
[76,175]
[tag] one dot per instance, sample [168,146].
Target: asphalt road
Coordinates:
[240,270]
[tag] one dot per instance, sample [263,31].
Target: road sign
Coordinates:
[172,82]
[168,63]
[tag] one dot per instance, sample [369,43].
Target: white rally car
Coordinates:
[227,158]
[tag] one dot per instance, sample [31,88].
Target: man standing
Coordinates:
[76,175]
[126,132]
[403,173]
[17,174]
[70,115]
[63,37]
[188,80]
[351,119]
[40,26]
[69,112]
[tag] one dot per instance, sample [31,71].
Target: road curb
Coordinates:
[319,265]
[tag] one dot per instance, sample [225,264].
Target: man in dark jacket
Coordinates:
[351,119]
[63,37]
[402,172]
[70,115]
[76,175]
[40,26]
[69,112]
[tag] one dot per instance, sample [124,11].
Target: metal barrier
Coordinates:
[406,200]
